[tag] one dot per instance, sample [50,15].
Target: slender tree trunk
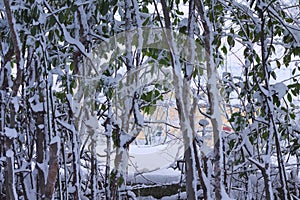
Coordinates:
[52,169]
[9,169]
[183,102]
[41,148]
[214,99]
[186,124]
[10,176]
[75,155]
[128,103]
[108,133]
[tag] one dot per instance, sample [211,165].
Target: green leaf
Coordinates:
[276,101]
[146,21]
[289,20]
[292,115]
[224,49]
[149,110]
[72,66]
[178,12]
[287,60]
[115,138]
[289,97]
[103,107]
[121,181]
[265,135]
[257,37]
[231,144]
[278,64]
[296,51]
[273,74]
[241,33]
[104,7]
[113,2]
[294,71]
[74,8]
[230,41]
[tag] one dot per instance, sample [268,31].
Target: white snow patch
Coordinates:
[9,153]
[11,133]
[225,195]
[37,107]
[55,139]
[279,88]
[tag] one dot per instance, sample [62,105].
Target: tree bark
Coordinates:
[213,97]
[10,176]
[52,171]
[185,111]
[41,149]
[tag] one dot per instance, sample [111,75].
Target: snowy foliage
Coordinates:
[79,76]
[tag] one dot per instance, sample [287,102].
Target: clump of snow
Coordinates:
[55,139]
[154,157]
[9,153]
[280,89]
[11,133]
[225,195]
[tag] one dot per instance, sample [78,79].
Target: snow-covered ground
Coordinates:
[146,158]
[150,158]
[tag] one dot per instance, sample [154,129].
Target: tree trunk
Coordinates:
[214,99]
[10,176]
[41,149]
[183,102]
[52,170]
